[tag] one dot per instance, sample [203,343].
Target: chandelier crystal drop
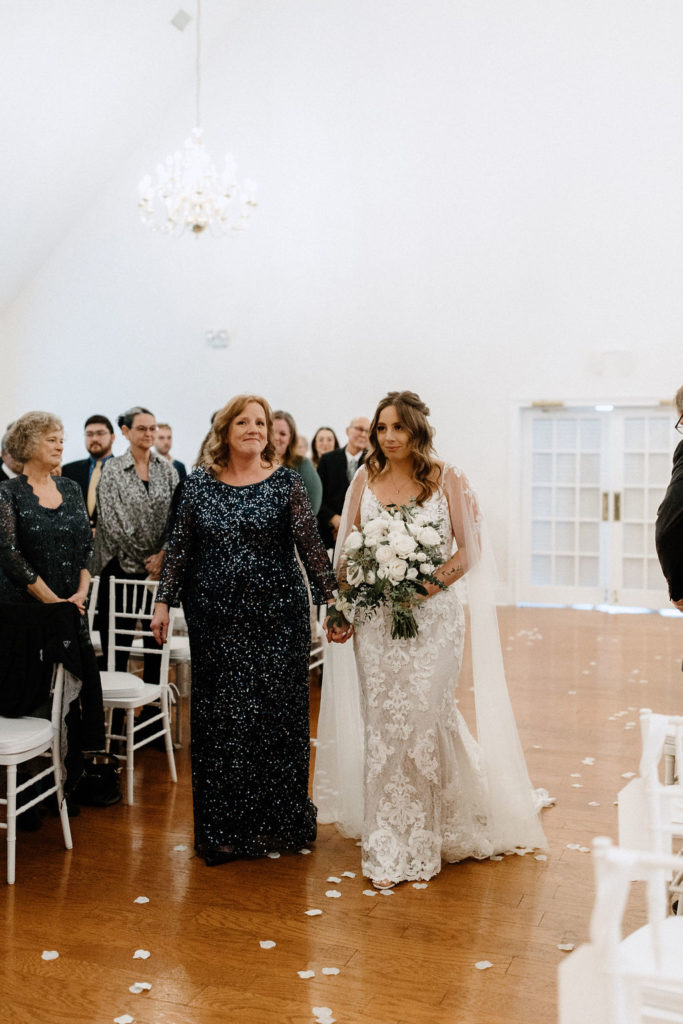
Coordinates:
[190,194]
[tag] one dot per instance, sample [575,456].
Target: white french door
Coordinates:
[591,484]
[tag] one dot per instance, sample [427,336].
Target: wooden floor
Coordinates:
[577,680]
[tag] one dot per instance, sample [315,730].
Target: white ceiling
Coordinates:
[81,83]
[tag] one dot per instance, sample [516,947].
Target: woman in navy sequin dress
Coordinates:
[231,560]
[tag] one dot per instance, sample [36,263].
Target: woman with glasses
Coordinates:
[669,524]
[133,505]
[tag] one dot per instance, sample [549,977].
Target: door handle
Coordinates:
[605,506]
[617,507]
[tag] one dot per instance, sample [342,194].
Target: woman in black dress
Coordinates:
[45,552]
[231,559]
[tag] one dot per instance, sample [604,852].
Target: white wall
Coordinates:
[474,199]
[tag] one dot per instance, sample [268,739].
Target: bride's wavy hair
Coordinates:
[215,453]
[412,414]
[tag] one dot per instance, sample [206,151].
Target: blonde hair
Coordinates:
[215,453]
[24,435]
[678,399]
[412,414]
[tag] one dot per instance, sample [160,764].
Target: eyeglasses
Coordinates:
[145,430]
[96,433]
[679,425]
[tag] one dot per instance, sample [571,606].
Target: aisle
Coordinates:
[576,679]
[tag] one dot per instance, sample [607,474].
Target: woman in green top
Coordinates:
[285,438]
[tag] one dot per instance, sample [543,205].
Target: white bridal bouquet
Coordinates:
[388,561]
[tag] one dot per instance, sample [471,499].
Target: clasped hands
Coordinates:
[337,628]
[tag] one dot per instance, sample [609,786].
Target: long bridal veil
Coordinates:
[338,783]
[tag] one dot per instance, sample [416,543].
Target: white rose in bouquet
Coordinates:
[384,554]
[376,527]
[411,573]
[403,544]
[396,570]
[429,536]
[354,541]
[427,568]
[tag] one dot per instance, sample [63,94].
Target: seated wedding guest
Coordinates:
[324,440]
[99,440]
[336,470]
[669,524]
[163,446]
[9,467]
[285,440]
[45,552]
[232,560]
[133,505]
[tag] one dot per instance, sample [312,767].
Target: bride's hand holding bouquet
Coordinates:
[392,560]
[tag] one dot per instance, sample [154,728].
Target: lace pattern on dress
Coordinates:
[425,792]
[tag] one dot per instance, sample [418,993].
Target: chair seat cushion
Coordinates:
[124,686]
[17,734]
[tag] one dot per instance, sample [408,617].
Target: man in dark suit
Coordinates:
[9,467]
[163,445]
[336,471]
[669,524]
[99,439]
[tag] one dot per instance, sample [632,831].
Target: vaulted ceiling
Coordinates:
[81,83]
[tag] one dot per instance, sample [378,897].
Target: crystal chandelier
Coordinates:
[190,193]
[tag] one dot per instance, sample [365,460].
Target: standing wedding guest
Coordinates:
[324,440]
[99,441]
[133,505]
[669,524]
[301,446]
[430,793]
[9,467]
[45,552]
[231,560]
[285,439]
[336,469]
[163,446]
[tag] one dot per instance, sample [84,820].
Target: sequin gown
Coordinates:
[231,560]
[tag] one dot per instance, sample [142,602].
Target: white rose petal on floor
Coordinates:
[141,954]
[180,848]
[348,874]
[330,970]
[566,947]
[333,894]
[313,913]
[267,944]
[49,954]
[483,965]
[369,892]
[306,974]
[333,878]
[304,851]
[273,856]
[140,986]
[419,885]
[124,1019]
[141,899]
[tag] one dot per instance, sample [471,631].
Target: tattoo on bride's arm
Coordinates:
[455,571]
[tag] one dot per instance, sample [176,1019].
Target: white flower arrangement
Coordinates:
[388,561]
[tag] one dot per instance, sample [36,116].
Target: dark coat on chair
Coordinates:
[332,470]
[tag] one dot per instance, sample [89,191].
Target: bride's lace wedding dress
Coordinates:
[395,761]
[425,790]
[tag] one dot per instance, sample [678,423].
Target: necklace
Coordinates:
[397,490]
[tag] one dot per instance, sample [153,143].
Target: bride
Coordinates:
[396,763]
